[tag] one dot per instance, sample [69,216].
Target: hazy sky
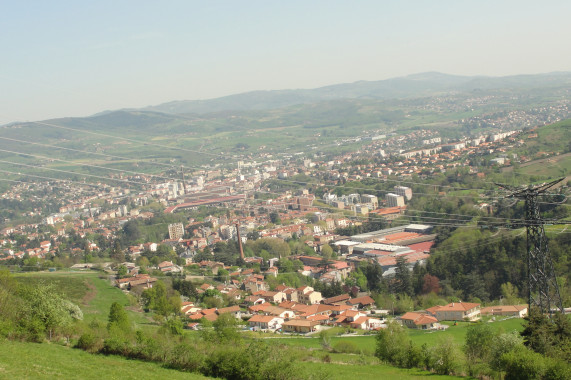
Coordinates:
[76,58]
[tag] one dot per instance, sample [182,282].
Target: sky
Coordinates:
[77,58]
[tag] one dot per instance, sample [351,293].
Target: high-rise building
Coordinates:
[370,200]
[176,231]
[394,200]
[404,191]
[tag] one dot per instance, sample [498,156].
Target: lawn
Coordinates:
[458,333]
[367,342]
[370,371]
[51,361]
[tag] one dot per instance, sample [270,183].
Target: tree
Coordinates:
[205,255]
[393,344]
[403,279]
[510,294]
[546,337]
[326,251]
[121,271]
[253,235]
[430,284]
[225,328]
[186,288]
[446,357]
[479,339]
[173,326]
[275,218]
[46,310]
[501,345]
[374,274]
[118,317]
[131,231]
[117,253]
[156,299]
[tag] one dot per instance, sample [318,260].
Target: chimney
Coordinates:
[239,241]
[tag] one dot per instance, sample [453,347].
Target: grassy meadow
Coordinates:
[94,293]
[366,343]
[51,361]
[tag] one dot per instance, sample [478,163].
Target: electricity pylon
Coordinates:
[542,284]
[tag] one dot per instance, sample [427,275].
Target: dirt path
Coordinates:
[90,294]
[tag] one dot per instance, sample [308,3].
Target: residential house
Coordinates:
[421,321]
[169,267]
[519,311]
[233,310]
[307,295]
[275,297]
[337,300]
[361,302]
[265,322]
[301,326]
[278,312]
[456,311]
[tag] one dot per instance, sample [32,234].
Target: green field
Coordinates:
[371,371]
[558,166]
[93,294]
[366,343]
[51,361]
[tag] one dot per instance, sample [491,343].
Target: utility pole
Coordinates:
[543,292]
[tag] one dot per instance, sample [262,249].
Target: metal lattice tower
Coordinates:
[543,292]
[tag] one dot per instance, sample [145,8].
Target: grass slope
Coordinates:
[50,361]
[372,371]
[93,294]
[367,342]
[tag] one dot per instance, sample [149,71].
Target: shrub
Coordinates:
[445,357]
[393,344]
[115,346]
[523,364]
[346,347]
[557,370]
[87,342]
[186,357]
[414,356]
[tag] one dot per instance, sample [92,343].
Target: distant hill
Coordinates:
[323,119]
[417,85]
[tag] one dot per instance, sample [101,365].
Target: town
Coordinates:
[233,232]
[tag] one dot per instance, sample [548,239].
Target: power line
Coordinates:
[48,178]
[104,154]
[127,139]
[74,173]
[87,165]
[501,220]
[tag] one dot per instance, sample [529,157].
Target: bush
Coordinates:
[346,347]
[187,358]
[87,342]
[414,356]
[557,370]
[229,363]
[445,357]
[393,345]
[523,364]
[116,346]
